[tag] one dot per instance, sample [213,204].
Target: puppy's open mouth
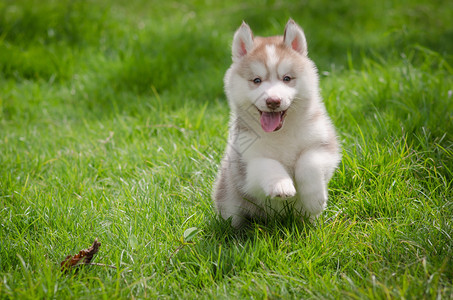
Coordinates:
[272,120]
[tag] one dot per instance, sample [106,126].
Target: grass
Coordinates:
[113,121]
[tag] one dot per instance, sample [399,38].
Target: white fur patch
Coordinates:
[269,178]
[272,57]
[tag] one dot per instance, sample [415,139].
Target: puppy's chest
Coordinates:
[285,149]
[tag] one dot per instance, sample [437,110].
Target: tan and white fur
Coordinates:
[282,148]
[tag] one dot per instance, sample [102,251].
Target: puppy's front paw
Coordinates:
[283,188]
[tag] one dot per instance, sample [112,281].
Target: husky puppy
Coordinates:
[282,148]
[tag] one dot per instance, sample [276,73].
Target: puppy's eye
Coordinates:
[287,79]
[257,80]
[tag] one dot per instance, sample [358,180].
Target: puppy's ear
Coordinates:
[295,38]
[242,42]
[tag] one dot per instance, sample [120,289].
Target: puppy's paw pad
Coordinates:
[283,188]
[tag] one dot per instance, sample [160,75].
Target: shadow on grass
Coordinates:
[225,252]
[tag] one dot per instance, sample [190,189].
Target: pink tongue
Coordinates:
[270,120]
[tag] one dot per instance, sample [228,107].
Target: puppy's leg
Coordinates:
[267,177]
[231,208]
[312,173]
[228,201]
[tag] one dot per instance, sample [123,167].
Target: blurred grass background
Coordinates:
[113,120]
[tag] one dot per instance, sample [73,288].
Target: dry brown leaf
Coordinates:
[83,257]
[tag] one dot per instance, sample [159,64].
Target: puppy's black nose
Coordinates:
[273,103]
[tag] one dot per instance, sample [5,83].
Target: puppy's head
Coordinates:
[269,76]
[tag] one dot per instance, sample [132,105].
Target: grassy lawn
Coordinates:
[113,121]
